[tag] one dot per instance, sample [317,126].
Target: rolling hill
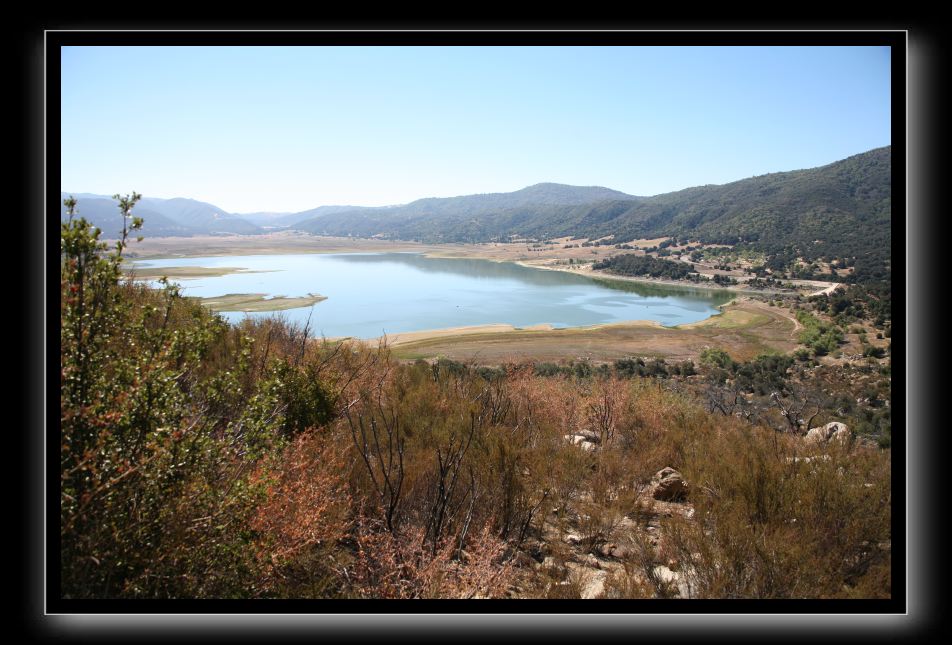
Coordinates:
[839,210]
[162,217]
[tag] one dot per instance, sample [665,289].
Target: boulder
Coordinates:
[677,581]
[612,550]
[832,430]
[582,441]
[589,435]
[591,582]
[669,486]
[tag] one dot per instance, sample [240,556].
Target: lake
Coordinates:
[370,294]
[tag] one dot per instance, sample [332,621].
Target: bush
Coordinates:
[717,358]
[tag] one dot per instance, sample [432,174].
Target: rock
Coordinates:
[589,435]
[588,560]
[553,566]
[595,585]
[605,550]
[620,552]
[582,441]
[664,574]
[842,434]
[832,430]
[591,581]
[677,581]
[669,486]
[572,538]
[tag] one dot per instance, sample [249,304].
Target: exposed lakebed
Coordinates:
[366,295]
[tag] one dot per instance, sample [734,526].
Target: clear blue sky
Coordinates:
[287,129]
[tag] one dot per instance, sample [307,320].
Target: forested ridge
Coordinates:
[842,210]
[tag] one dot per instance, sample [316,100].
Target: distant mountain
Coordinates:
[198,215]
[103,212]
[426,218]
[842,210]
[291,219]
[839,210]
[262,218]
[162,217]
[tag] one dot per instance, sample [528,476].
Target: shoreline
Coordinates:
[411,337]
[745,327]
[257,302]
[406,338]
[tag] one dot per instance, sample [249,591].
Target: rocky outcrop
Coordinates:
[668,485]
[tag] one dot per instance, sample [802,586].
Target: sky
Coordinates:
[286,129]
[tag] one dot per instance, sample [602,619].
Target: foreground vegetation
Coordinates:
[201,459]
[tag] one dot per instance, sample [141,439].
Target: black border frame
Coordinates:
[896,38]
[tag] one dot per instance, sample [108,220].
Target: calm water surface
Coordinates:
[369,294]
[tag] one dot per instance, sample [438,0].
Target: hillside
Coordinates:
[839,210]
[163,217]
[103,213]
[465,218]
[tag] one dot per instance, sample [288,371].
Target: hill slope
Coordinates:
[162,217]
[839,210]
[465,218]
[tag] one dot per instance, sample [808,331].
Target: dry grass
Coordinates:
[746,329]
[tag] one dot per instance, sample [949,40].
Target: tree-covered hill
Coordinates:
[465,218]
[842,210]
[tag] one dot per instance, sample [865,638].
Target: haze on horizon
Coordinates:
[291,128]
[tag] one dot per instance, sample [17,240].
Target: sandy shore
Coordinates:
[249,302]
[745,329]
[184,273]
[405,338]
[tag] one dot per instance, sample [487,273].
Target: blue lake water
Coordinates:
[370,294]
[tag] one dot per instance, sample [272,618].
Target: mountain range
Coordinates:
[842,209]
